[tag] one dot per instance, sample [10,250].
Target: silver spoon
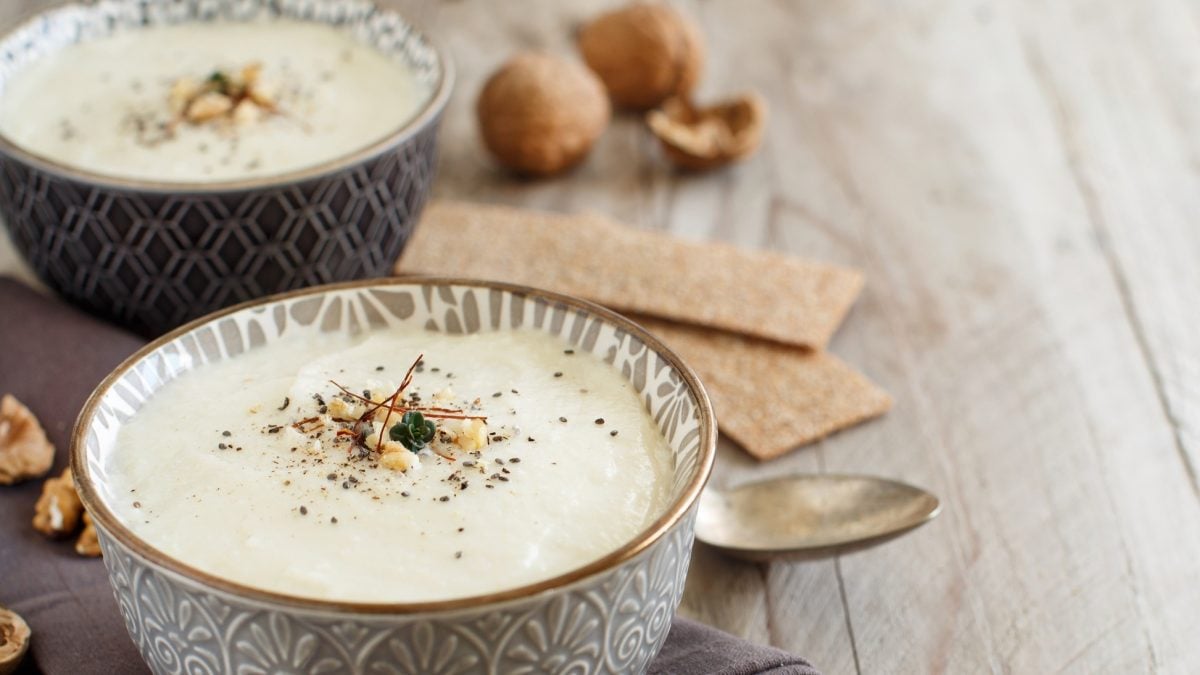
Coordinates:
[810,514]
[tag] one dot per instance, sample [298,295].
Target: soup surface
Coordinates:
[267,469]
[203,102]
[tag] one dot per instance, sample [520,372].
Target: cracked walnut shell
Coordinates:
[58,511]
[644,53]
[705,138]
[14,640]
[540,115]
[25,452]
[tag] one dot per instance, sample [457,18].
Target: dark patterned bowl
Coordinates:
[609,616]
[154,255]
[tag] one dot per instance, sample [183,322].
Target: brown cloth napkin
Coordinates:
[51,357]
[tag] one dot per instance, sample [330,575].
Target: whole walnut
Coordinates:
[644,53]
[540,115]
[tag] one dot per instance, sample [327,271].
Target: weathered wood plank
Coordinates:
[1020,183]
[996,320]
[1126,105]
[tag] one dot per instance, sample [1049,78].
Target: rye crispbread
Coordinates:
[771,398]
[767,295]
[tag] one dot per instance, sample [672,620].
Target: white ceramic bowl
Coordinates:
[611,615]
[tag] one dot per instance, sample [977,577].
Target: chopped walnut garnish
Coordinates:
[88,544]
[380,423]
[240,99]
[58,510]
[471,435]
[246,113]
[401,460]
[25,452]
[251,73]
[14,640]
[339,408]
[207,106]
[390,446]
[182,92]
[263,94]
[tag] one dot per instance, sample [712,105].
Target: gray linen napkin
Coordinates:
[51,357]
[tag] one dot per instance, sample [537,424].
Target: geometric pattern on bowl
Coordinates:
[611,616]
[154,261]
[153,256]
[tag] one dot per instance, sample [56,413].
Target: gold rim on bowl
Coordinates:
[413,125]
[105,519]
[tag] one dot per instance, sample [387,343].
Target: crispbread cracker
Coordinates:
[771,398]
[766,295]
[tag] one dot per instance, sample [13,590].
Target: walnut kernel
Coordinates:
[251,73]
[401,460]
[471,435]
[58,510]
[246,112]
[263,93]
[181,94]
[25,452]
[242,98]
[207,106]
[88,544]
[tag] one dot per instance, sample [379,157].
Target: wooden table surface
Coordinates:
[1020,182]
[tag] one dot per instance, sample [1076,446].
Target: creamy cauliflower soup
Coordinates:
[203,102]
[345,469]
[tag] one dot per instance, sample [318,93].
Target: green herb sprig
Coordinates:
[413,431]
[223,83]
[220,81]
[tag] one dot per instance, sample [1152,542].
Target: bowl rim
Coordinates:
[648,536]
[426,116]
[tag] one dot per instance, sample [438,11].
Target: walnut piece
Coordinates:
[471,435]
[241,99]
[207,106]
[182,92]
[58,510]
[246,113]
[14,640]
[88,545]
[25,452]
[705,138]
[251,73]
[397,460]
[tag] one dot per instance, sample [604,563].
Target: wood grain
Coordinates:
[1019,182]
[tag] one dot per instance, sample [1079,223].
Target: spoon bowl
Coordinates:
[810,514]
